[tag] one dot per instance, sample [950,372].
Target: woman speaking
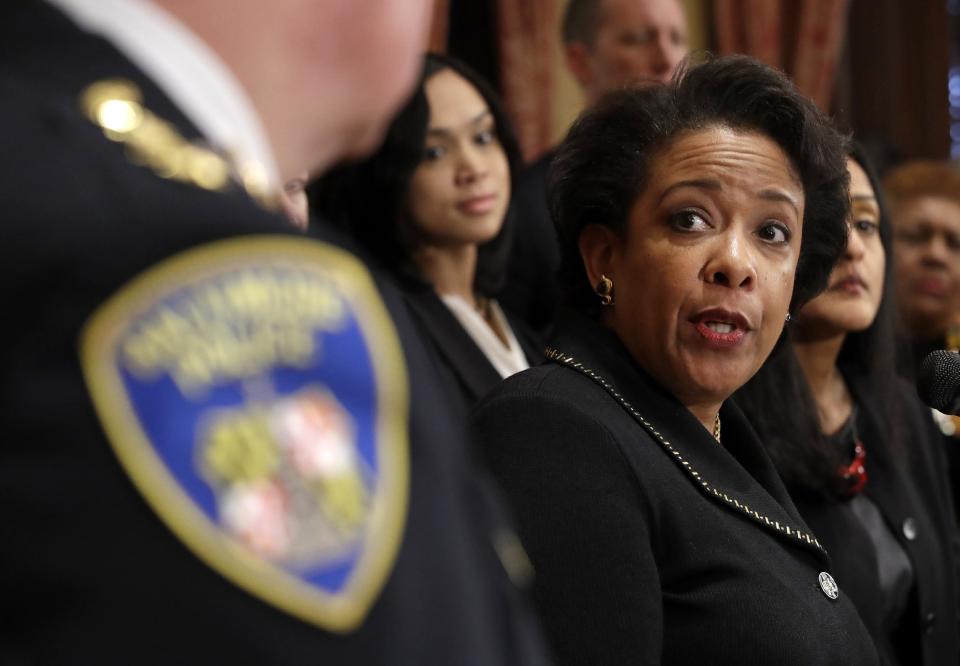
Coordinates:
[693,219]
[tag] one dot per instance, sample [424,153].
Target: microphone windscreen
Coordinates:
[939,379]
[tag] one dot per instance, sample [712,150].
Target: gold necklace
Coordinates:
[716,428]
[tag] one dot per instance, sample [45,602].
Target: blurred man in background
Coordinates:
[608,44]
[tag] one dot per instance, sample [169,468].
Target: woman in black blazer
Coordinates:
[693,218]
[433,204]
[469,367]
[859,452]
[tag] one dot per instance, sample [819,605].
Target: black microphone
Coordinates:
[939,381]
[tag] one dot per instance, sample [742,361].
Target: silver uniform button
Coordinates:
[910,529]
[829,585]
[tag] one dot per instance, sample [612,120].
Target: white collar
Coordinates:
[506,359]
[187,70]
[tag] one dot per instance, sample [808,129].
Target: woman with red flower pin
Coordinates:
[858,451]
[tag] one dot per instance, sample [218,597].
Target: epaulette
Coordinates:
[116,106]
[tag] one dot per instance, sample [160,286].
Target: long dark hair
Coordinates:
[779,402]
[367,199]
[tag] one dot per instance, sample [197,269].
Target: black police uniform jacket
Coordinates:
[88,572]
[651,542]
[912,493]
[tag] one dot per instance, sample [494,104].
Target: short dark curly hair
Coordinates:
[601,168]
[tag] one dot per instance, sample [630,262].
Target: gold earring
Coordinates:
[604,290]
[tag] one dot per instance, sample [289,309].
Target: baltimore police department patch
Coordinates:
[255,391]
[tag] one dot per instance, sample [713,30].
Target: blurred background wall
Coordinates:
[882,68]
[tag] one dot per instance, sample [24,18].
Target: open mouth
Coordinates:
[719,326]
[721,329]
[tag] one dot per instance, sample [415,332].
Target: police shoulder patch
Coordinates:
[255,392]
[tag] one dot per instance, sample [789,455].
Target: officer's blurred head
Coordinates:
[324,75]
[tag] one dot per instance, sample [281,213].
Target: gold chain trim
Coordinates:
[707,487]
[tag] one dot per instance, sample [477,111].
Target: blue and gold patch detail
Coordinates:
[255,392]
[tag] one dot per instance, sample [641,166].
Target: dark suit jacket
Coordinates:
[910,355]
[89,574]
[455,350]
[532,291]
[913,496]
[651,542]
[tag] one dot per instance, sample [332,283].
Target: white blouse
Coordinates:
[507,360]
